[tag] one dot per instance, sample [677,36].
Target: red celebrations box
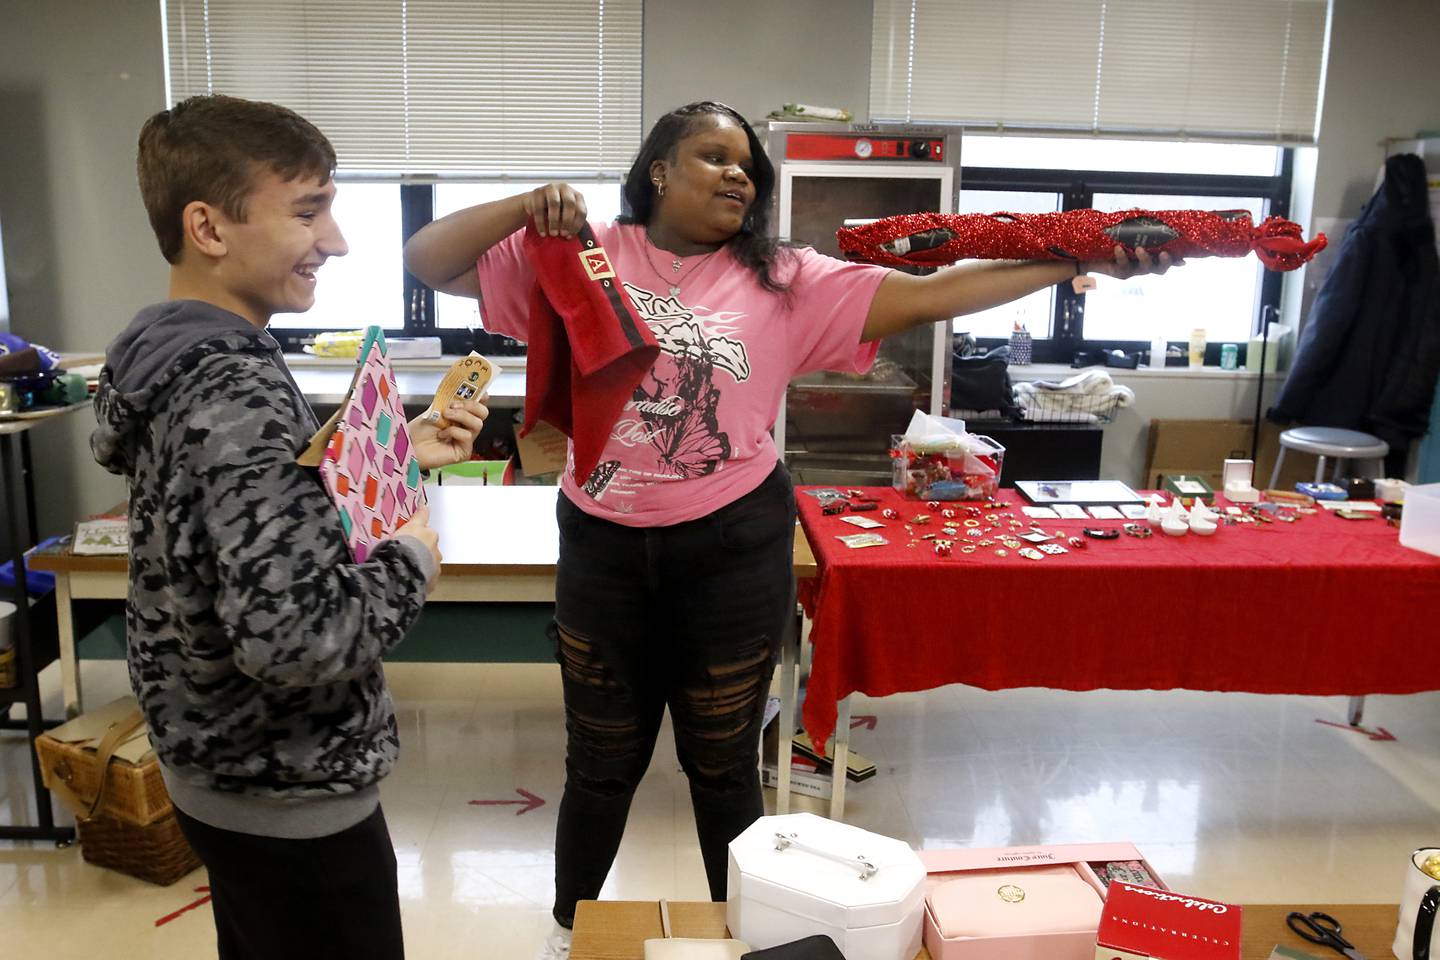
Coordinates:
[1142,923]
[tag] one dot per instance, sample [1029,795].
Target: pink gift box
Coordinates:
[994,936]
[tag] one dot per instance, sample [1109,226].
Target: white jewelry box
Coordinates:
[799,875]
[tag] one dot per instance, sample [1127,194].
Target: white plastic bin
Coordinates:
[1420,523]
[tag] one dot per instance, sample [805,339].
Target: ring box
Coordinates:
[1066,867]
[1239,481]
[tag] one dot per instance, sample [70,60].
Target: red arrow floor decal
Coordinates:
[1379,733]
[198,903]
[530,802]
[865,720]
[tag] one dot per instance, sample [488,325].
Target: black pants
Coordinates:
[330,897]
[688,616]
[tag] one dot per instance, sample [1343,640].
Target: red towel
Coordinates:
[588,346]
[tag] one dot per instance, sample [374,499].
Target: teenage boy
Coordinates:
[254,639]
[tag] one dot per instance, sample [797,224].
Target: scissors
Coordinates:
[1323,929]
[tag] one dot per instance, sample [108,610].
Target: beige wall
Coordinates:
[1382,81]
[757,55]
[77,78]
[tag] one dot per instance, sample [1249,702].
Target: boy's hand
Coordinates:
[558,210]
[418,527]
[435,447]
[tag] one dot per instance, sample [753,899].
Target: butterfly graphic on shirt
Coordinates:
[690,444]
[687,440]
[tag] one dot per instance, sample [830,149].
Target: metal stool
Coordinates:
[1331,442]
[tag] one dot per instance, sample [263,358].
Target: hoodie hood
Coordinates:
[142,364]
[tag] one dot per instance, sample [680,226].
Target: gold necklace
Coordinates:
[675,264]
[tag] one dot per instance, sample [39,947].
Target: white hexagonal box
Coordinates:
[799,875]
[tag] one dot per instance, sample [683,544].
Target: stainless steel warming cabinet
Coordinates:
[836,428]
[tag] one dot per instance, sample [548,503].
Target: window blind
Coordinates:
[1241,70]
[429,87]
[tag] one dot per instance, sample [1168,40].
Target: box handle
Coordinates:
[785,841]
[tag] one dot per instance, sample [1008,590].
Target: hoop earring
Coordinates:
[659,187]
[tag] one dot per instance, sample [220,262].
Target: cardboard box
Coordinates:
[1142,923]
[1201,447]
[806,780]
[618,929]
[1079,944]
[864,891]
[542,450]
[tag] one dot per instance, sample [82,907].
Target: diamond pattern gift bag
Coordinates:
[365,456]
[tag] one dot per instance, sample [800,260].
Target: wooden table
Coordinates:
[499,544]
[617,929]
[1370,926]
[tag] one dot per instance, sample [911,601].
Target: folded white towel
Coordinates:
[1077,398]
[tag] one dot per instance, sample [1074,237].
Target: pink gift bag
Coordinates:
[365,456]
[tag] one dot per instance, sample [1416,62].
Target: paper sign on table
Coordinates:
[856,540]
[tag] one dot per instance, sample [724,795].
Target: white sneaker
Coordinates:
[557,945]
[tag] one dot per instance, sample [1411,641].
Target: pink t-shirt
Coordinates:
[696,435]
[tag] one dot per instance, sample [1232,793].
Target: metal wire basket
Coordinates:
[1044,406]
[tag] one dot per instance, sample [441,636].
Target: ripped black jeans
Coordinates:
[688,616]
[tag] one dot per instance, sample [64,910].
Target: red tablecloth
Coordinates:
[1321,606]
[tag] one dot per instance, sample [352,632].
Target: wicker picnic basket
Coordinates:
[157,852]
[122,811]
[125,791]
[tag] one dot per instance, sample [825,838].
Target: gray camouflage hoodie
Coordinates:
[254,639]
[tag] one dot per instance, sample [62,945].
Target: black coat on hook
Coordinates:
[1369,355]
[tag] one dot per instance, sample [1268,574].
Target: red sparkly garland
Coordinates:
[936,239]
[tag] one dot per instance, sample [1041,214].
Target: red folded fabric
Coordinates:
[588,347]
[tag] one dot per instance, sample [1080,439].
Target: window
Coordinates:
[432,105]
[1114,103]
[369,285]
[1149,156]
[366,286]
[1223,296]
[1034,312]
[602,200]
[1220,295]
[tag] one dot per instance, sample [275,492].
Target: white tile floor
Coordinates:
[1231,796]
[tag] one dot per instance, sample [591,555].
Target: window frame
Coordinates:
[1077,189]
[417,304]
